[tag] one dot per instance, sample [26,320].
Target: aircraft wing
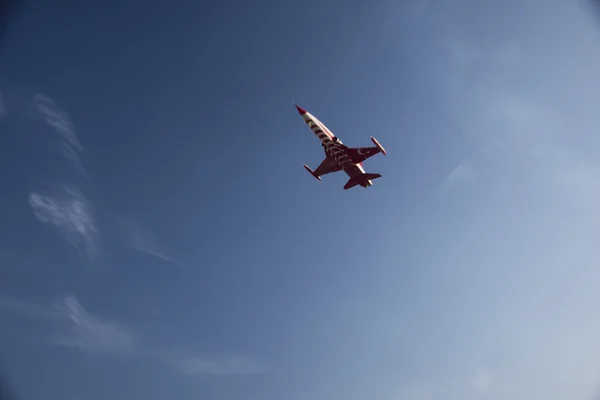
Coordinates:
[327,166]
[360,154]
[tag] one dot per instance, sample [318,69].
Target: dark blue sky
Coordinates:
[160,238]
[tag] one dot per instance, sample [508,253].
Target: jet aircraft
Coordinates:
[338,156]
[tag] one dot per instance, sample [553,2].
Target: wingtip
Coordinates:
[379,146]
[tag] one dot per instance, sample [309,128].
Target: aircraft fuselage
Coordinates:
[335,149]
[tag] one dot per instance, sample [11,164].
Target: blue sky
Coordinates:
[160,238]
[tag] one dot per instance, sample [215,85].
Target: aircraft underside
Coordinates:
[349,160]
[339,157]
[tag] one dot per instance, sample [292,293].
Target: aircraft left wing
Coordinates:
[327,166]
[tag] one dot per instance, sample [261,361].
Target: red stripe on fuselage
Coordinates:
[324,129]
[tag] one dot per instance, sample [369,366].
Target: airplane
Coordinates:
[338,156]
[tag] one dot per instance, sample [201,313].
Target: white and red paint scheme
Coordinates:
[339,157]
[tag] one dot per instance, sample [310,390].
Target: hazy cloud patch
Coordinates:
[23,308]
[71,214]
[483,380]
[93,333]
[3,107]
[194,365]
[85,331]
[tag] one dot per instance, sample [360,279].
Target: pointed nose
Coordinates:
[301,110]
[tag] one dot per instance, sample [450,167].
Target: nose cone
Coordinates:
[301,110]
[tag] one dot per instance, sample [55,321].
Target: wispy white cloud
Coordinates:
[63,206]
[502,97]
[66,208]
[461,174]
[93,333]
[69,211]
[61,122]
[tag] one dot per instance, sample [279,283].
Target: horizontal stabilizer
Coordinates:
[360,180]
[371,176]
[350,184]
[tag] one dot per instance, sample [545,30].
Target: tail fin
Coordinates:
[360,180]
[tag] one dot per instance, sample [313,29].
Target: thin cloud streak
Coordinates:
[91,333]
[141,239]
[61,122]
[461,174]
[23,308]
